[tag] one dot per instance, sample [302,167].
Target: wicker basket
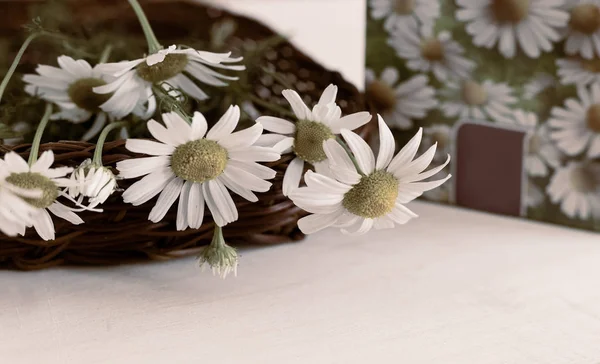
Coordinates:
[123,233]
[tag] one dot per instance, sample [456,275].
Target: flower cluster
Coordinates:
[200,163]
[527,64]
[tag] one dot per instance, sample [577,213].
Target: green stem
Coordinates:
[37,139]
[102,138]
[105,54]
[218,239]
[153,44]
[267,105]
[349,152]
[15,63]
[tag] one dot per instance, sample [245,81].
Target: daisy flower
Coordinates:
[370,194]
[535,196]
[576,126]
[583,30]
[305,137]
[542,153]
[472,100]
[405,12]
[134,79]
[575,187]
[198,167]
[93,181]
[426,52]
[400,102]
[40,177]
[440,135]
[70,86]
[578,71]
[537,84]
[531,25]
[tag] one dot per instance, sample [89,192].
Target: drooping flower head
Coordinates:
[198,167]
[70,86]
[40,177]
[305,136]
[371,193]
[92,181]
[169,67]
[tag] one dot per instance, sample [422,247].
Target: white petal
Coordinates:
[196,205]
[350,122]
[276,125]
[324,183]
[161,133]
[247,179]
[182,207]
[64,212]
[387,145]
[293,174]
[362,228]
[15,163]
[408,152]
[166,199]
[313,223]
[361,150]
[225,125]
[148,187]
[243,138]
[300,109]
[237,188]
[96,127]
[178,128]
[43,163]
[416,166]
[199,126]
[328,95]
[255,154]
[149,147]
[136,167]
[223,200]
[256,169]
[43,225]
[337,155]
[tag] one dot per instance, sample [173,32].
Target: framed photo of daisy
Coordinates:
[522,72]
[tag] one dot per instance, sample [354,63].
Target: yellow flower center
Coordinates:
[509,11]
[432,50]
[171,66]
[35,181]
[593,118]
[309,138]
[199,160]
[403,7]
[82,95]
[585,18]
[374,196]
[474,94]
[382,95]
[584,180]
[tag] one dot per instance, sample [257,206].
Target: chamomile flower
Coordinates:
[405,12]
[425,51]
[576,126]
[576,187]
[370,194]
[134,79]
[70,86]
[531,25]
[92,181]
[197,167]
[472,100]
[583,29]
[305,137]
[400,102]
[578,71]
[40,177]
[542,153]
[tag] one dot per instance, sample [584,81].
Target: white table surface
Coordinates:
[454,286]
